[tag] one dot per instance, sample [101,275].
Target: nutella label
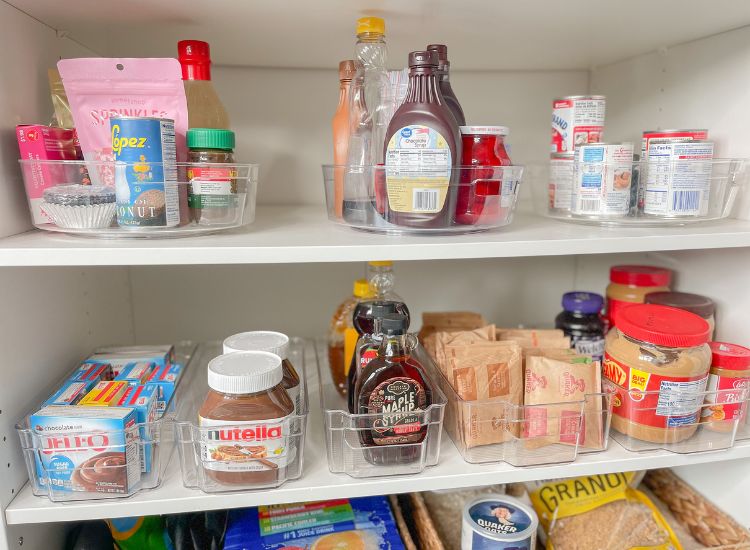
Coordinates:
[400,400]
[231,446]
[651,399]
[87,449]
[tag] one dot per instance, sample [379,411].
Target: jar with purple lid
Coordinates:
[581,320]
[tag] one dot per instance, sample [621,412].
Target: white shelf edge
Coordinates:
[302,234]
[318,483]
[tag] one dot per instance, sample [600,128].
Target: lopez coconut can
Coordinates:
[145,172]
[498,522]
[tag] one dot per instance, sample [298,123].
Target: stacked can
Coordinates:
[576,121]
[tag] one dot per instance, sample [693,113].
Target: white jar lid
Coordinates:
[244,372]
[485,130]
[258,340]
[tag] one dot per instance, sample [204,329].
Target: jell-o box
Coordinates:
[165,378]
[143,400]
[93,372]
[71,392]
[136,373]
[88,449]
[105,394]
[119,356]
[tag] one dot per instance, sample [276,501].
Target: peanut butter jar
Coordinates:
[629,284]
[656,363]
[245,420]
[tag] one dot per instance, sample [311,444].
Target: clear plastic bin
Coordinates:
[686,431]
[478,198]
[193,440]
[98,199]
[676,192]
[65,482]
[347,454]
[494,430]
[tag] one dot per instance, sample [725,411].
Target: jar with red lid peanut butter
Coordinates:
[730,379]
[245,420]
[629,284]
[656,363]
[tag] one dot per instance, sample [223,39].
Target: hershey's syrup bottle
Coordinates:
[422,143]
[444,67]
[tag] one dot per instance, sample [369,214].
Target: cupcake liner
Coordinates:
[94,216]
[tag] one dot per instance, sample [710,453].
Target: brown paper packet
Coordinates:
[558,380]
[435,343]
[534,338]
[487,377]
[450,321]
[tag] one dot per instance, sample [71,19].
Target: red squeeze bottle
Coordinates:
[422,143]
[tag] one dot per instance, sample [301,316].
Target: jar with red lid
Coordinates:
[728,384]
[480,190]
[629,284]
[694,303]
[656,363]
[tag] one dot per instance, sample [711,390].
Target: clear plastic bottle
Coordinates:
[338,360]
[205,109]
[381,279]
[347,70]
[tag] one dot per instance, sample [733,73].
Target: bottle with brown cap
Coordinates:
[444,82]
[422,143]
[347,70]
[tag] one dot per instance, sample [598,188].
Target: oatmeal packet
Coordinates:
[435,343]
[550,383]
[451,321]
[532,338]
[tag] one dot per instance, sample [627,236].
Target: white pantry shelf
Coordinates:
[318,483]
[301,234]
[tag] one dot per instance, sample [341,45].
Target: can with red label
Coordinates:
[728,386]
[577,120]
[670,136]
[560,182]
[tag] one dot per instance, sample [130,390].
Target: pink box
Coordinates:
[45,143]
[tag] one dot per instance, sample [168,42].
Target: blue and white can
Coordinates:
[145,172]
[498,522]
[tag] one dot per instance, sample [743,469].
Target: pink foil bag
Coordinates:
[101,88]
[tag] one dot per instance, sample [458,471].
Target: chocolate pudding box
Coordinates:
[119,356]
[71,392]
[143,400]
[166,379]
[94,371]
[136,373]
[90,449]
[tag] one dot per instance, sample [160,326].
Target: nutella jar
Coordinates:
[629,284]
[273,342]
[728,385]
[247,414]
[656,363]
[694,303]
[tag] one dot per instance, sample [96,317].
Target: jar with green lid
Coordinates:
[213,191]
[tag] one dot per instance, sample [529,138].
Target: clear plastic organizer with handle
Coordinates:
[345,433]
[645,193]
[107,463]
[427,200]
[235,456]
[495,430]
[139,199]
[680,421]
[743,430]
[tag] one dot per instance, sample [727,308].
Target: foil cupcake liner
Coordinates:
[93,216]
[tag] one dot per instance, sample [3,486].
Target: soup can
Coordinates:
[498,522]
[577,120]
[560,182]
[145,172]
[678,179]
[602,178]
[670,136]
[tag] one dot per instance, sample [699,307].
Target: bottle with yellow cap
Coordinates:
[340,322]
[381,280]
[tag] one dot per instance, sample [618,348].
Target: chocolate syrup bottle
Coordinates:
[444,67]
[364,317]
[393,385]
[422,143]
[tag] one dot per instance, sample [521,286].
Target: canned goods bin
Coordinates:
[347,454]
[199,465]
[643,193]
[139,199]
[494,430]
[153,439]
[439,200]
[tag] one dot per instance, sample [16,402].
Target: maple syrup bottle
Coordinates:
[394,385]
[422,144]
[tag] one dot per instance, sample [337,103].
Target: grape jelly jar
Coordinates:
[482,146]
[581,320]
